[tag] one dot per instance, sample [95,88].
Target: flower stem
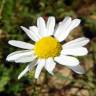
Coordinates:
[34,91]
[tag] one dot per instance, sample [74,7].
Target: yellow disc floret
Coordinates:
[47,47]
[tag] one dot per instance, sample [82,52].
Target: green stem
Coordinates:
[1,8]
[34,92]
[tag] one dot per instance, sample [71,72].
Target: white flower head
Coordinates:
[47,49]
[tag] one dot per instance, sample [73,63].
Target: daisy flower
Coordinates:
[47,49]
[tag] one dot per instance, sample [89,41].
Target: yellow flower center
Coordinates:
[47,47]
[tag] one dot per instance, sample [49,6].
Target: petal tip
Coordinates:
[7,58]
[36,77]
[9,42]
[52,73]
[19,78]
[21,26]
[39,18]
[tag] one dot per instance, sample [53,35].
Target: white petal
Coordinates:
[25,59]
[72,25]
[50,25]
[67,60]
[76,43]
[78,69]
[61,29]
[64,31]
[24,72]
[30,34]
[42,27]
[41,64]
[17,54]
[78,51]
[21,44]
[14,53]
[35,31]
[33,63]
[50,65]
[28,68]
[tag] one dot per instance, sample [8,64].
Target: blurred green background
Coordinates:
[13,14]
